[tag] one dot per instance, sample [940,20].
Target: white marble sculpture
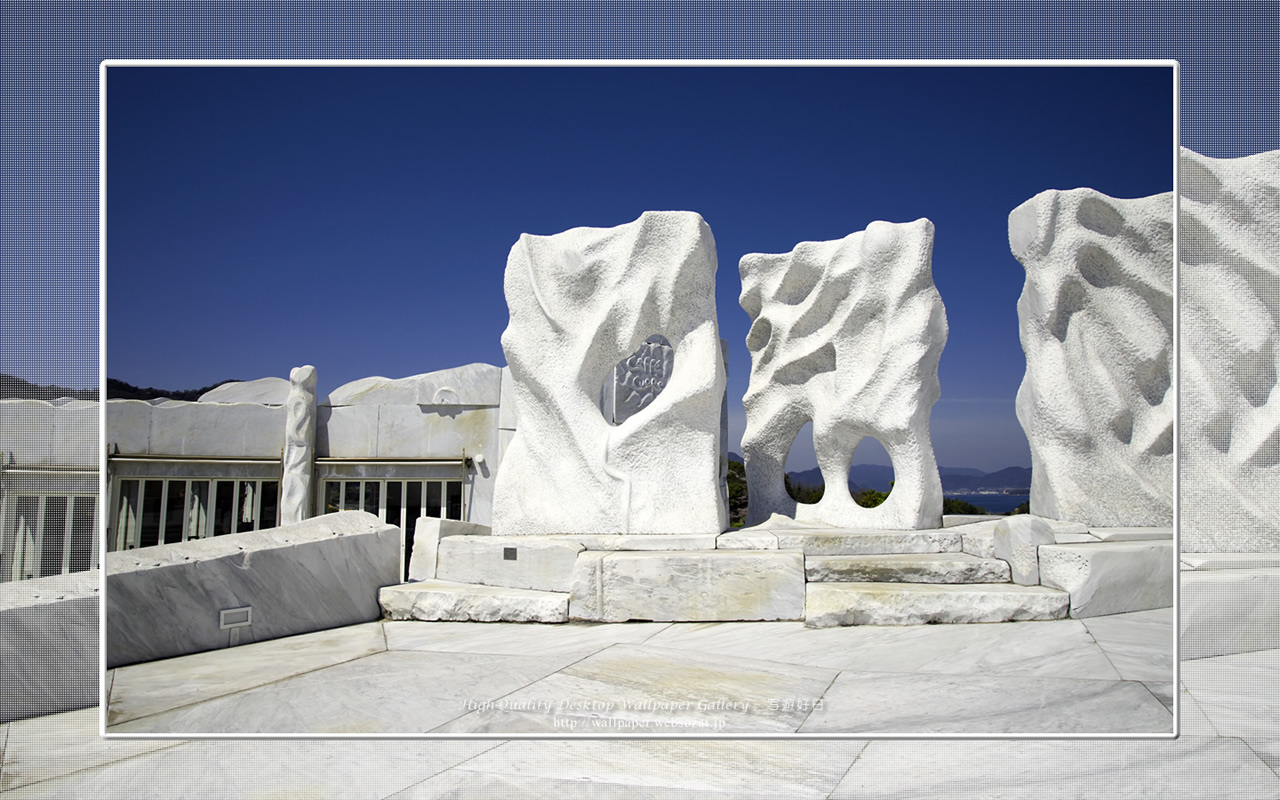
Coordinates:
[580,301]
[299,446]
[1096,323]
[847,334]
[1229,249]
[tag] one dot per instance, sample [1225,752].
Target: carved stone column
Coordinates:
[299,446]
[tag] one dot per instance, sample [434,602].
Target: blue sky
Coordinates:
[359,219]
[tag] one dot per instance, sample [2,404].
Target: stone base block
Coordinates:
[48,645]
[1227,611]
[446,601]
[751,539]
[912,568]
[688,586]
[868,542]
[1111,577]
[1230,560]
[1130,534]
[321,573]
[834,604]
[516,562]
[1017,540]
[632,541]
[427,533]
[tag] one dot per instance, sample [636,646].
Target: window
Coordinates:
[152,511]
[47,534]
[398,502]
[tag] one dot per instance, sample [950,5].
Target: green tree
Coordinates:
[950,505]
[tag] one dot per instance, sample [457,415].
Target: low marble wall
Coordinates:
[322,573]
[49,645]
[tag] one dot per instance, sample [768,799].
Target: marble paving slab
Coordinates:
[1140,644]
[47,747]
[157,686]
[1192,721]
[877,702]
[1268,750]
[1060,648]
[1190,767]
[637,769]
[1230,691]
[359,770]
[392,692]
[629,689]
[514,638]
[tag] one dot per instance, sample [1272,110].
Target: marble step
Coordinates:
[829,605]
[907,568]
[868,542]
[450,601]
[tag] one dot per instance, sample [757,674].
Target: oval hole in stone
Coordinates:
[871,476]
[637,380]
[804,480]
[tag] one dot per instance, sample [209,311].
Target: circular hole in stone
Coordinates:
[637,380]
[803,479]
[871,476]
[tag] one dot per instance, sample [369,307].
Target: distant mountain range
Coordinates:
[16,388]
[955,480]
[12,388]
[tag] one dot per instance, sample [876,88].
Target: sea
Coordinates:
[993,503]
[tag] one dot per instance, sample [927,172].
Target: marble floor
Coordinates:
[1109,675]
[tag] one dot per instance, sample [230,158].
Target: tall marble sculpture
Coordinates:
[847,334]
[1229,281]
[581,301]
[1096,323]
[299,446]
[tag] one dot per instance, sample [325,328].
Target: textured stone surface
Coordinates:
[322,573]
[469,385]
[1111,577]
[914,568]
[426,543]
[831,604]
[1096,323]
[1229,285]
[580,301]
[868,542]
[688,586]
[846,334]
[48,645]
[437,600]
[1229,611]
[518,562]
[296,499]
[267,391]
[1016,541]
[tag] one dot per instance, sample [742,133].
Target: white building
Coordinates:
[427,445]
